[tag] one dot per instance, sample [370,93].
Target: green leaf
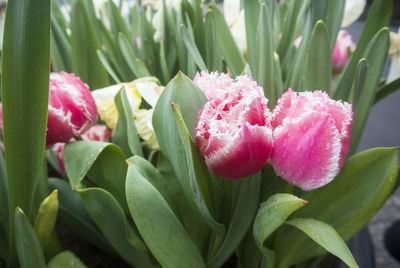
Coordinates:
[65,259]
[158,224]
[117,23]
[164,65]
[84,44]
[331,13]
[125,135]
[251,13]
[46,218]
[24,92]
[108,215]
[227,45]
[73,212]
[378,17]
[270,216]
[319,63]
[28,247]
[80,156]
[264,72]
[3,195]
[376,62]
[347,203]
[386,90]
[192,48]
[135,64]
[244,202]
[213,57]
[326,237]
[103,59]
[60,47]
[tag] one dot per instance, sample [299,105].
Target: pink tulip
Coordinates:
[213,84]
[233,133]
[340,56]
[72,109]
[95,133]
[311,138]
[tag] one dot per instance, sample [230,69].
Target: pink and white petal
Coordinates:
[306,150]
[246,154]
[282,107]
[61,127]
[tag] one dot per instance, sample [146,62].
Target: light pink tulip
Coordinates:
[95,133]
[311,138]
[233,133]
[213,84]
[72,109]
[340,56]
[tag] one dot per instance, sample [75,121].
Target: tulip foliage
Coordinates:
[248,153]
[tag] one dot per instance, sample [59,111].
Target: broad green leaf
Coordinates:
[367,94]
[227,45]
[192,48]
[73,212]
[84,44]
[359,82]
[319,63]
[270,216]
[65,259]
[46,218]
[264,72]
[80,156]
[3,195]
[347,203]
[325,236]
[251,12]
[109,217]
[244,203]
[378,17]
[28,246]
[195,180]
[387,89]
[24,92]
[158,225]
[125,135]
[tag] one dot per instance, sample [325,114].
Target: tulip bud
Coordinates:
[213,84]
[311,138]
[233,133]
[72,109]
[340,56]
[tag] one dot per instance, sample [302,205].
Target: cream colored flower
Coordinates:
[352,11]
[394,52]
[150,92]
[106,107]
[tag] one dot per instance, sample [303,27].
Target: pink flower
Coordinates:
[213,84]
[72,109]
[95,133]
[311,138]
[233,132]
[340,56]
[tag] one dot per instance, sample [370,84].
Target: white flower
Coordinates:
[352,11]
[394,52]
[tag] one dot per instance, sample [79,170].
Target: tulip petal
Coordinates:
[306,150]
[352,11]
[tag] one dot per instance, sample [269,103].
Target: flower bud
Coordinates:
[311,138]
[233,132]
[340,56]
[72,109]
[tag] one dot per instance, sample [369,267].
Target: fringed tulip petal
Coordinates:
[233,133]
[213,84]
[72,109]
[311,137]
